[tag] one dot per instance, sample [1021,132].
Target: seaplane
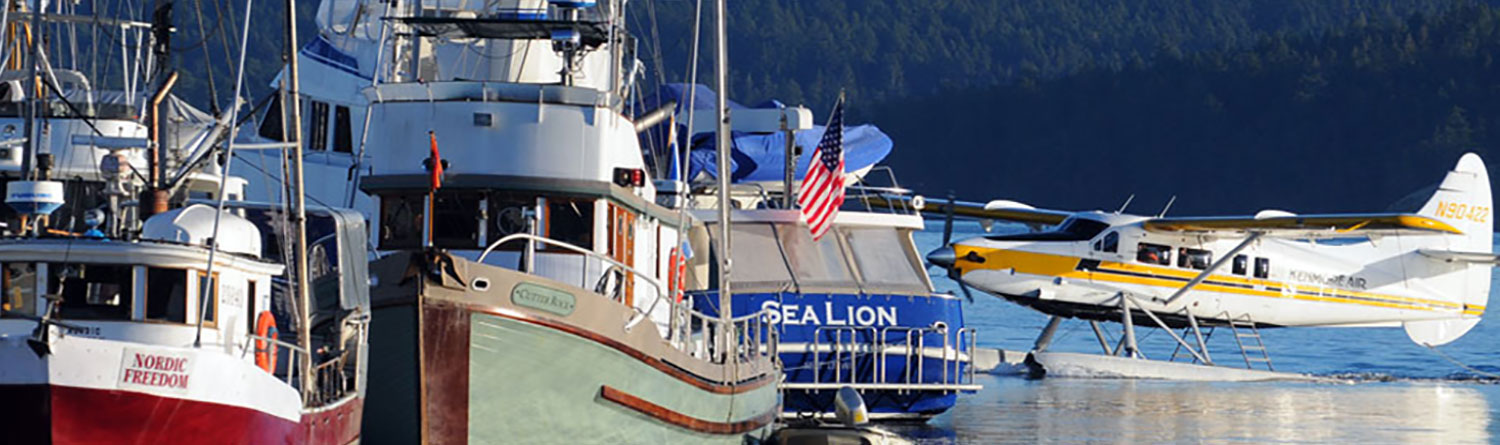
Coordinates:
[1427,272]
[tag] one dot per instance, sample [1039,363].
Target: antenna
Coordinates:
[1126,205]
[1168,207]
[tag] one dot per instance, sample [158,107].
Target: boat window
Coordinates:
[19,282]
[270,125]
[1154,254]
[507,216]
[1194,258]
[1072,229]
[1241,264]
[211,299]
[455,220]
[570,221]
[166,295]
[91,291]
[1262,267]
[884,257]
[343,133]
[317,129]
[816,263]
[401,221]
[756,255]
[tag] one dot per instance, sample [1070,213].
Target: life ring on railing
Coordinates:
[673,291]
[265,350]
[681,280]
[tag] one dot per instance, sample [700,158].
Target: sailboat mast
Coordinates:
[299,203]
[32,89]
[721,74]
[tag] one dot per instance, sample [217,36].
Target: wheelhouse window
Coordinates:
[815,263]
[571,221]
[401,221]
[1189,258]
[757,259]
[270,125]
[92,291]
[885,260]
[19,282]
[208,295]
[317,129]
[1154,254]
[1262,267]
[343,132]
[1241,265]
[455,221]
[166,295]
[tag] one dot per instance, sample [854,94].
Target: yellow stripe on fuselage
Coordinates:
[1065,266]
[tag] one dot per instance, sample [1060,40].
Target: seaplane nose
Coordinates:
[943,257]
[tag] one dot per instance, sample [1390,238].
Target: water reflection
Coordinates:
[1013,410]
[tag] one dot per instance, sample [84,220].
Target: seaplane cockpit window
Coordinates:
[1072,229]
[1154,254]
[455,220]
[19,283]
[166,295]
[1262,268]
[401,220]
[1110,243]
[92,291]
[1241,265]
[1194,258]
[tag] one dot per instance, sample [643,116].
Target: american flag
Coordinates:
[822,190]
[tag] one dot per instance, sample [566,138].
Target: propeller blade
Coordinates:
[948,221]
[965,287]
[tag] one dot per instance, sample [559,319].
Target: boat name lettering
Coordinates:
[84,331]
[543,298]
[812,314]
[157,371]
[1344,281]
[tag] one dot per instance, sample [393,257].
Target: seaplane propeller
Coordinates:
[945,256]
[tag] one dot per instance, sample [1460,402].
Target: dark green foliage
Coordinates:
[1348,120]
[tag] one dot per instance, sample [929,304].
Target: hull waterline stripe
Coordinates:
[681,420]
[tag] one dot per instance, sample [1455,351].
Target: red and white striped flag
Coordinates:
[822,190]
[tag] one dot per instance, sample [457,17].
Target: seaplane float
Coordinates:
[1427,272]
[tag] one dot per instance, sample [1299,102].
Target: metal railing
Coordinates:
[751,337]
[865,364]
[640,315]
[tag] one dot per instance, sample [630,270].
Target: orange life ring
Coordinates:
[265,351]
[681,281]
[672,274]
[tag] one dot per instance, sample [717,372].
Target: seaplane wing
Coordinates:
[999,210]
[1283,225]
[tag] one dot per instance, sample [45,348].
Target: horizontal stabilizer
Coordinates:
[1454,256]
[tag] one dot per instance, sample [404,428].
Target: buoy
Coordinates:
[265,350]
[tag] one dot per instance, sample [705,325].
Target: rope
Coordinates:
[1459,364]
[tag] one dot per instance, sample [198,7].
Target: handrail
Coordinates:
[640,316]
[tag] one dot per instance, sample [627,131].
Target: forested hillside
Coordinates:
[1349,120]
[805,51]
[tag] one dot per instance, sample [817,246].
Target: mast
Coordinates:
[299,204]
[32,89]
[721,75]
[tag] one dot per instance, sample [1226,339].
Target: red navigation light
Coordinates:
[630,177]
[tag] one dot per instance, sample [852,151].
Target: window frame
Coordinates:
[1164,251]
[1240,265]
[1262,267]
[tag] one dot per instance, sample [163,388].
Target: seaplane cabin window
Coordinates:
[455,220]
[166,295]
[1110,243]
[1154,254]
[92,291]
[343,132]
[19,281]
[401,221]
[317,129]
[1241,264]
[1194,258]
[1262,267]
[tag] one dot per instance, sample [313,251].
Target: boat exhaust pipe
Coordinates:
[650,119]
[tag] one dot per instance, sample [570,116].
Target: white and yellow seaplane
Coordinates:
[1428,272]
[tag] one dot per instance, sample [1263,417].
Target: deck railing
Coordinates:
[861,356]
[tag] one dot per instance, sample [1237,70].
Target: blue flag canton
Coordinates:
[831,146]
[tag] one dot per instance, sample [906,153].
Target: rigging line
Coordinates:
[1455,362]
[656,56]
[208,67]
[213,244]
[269,176]
[692,83]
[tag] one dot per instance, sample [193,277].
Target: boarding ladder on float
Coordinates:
[860,357]
[1247,336]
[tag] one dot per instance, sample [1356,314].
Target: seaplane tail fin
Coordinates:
[1458,266]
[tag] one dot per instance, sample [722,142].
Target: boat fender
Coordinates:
[265,350]
[676,275]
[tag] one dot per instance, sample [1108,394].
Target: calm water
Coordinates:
[1405,392]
